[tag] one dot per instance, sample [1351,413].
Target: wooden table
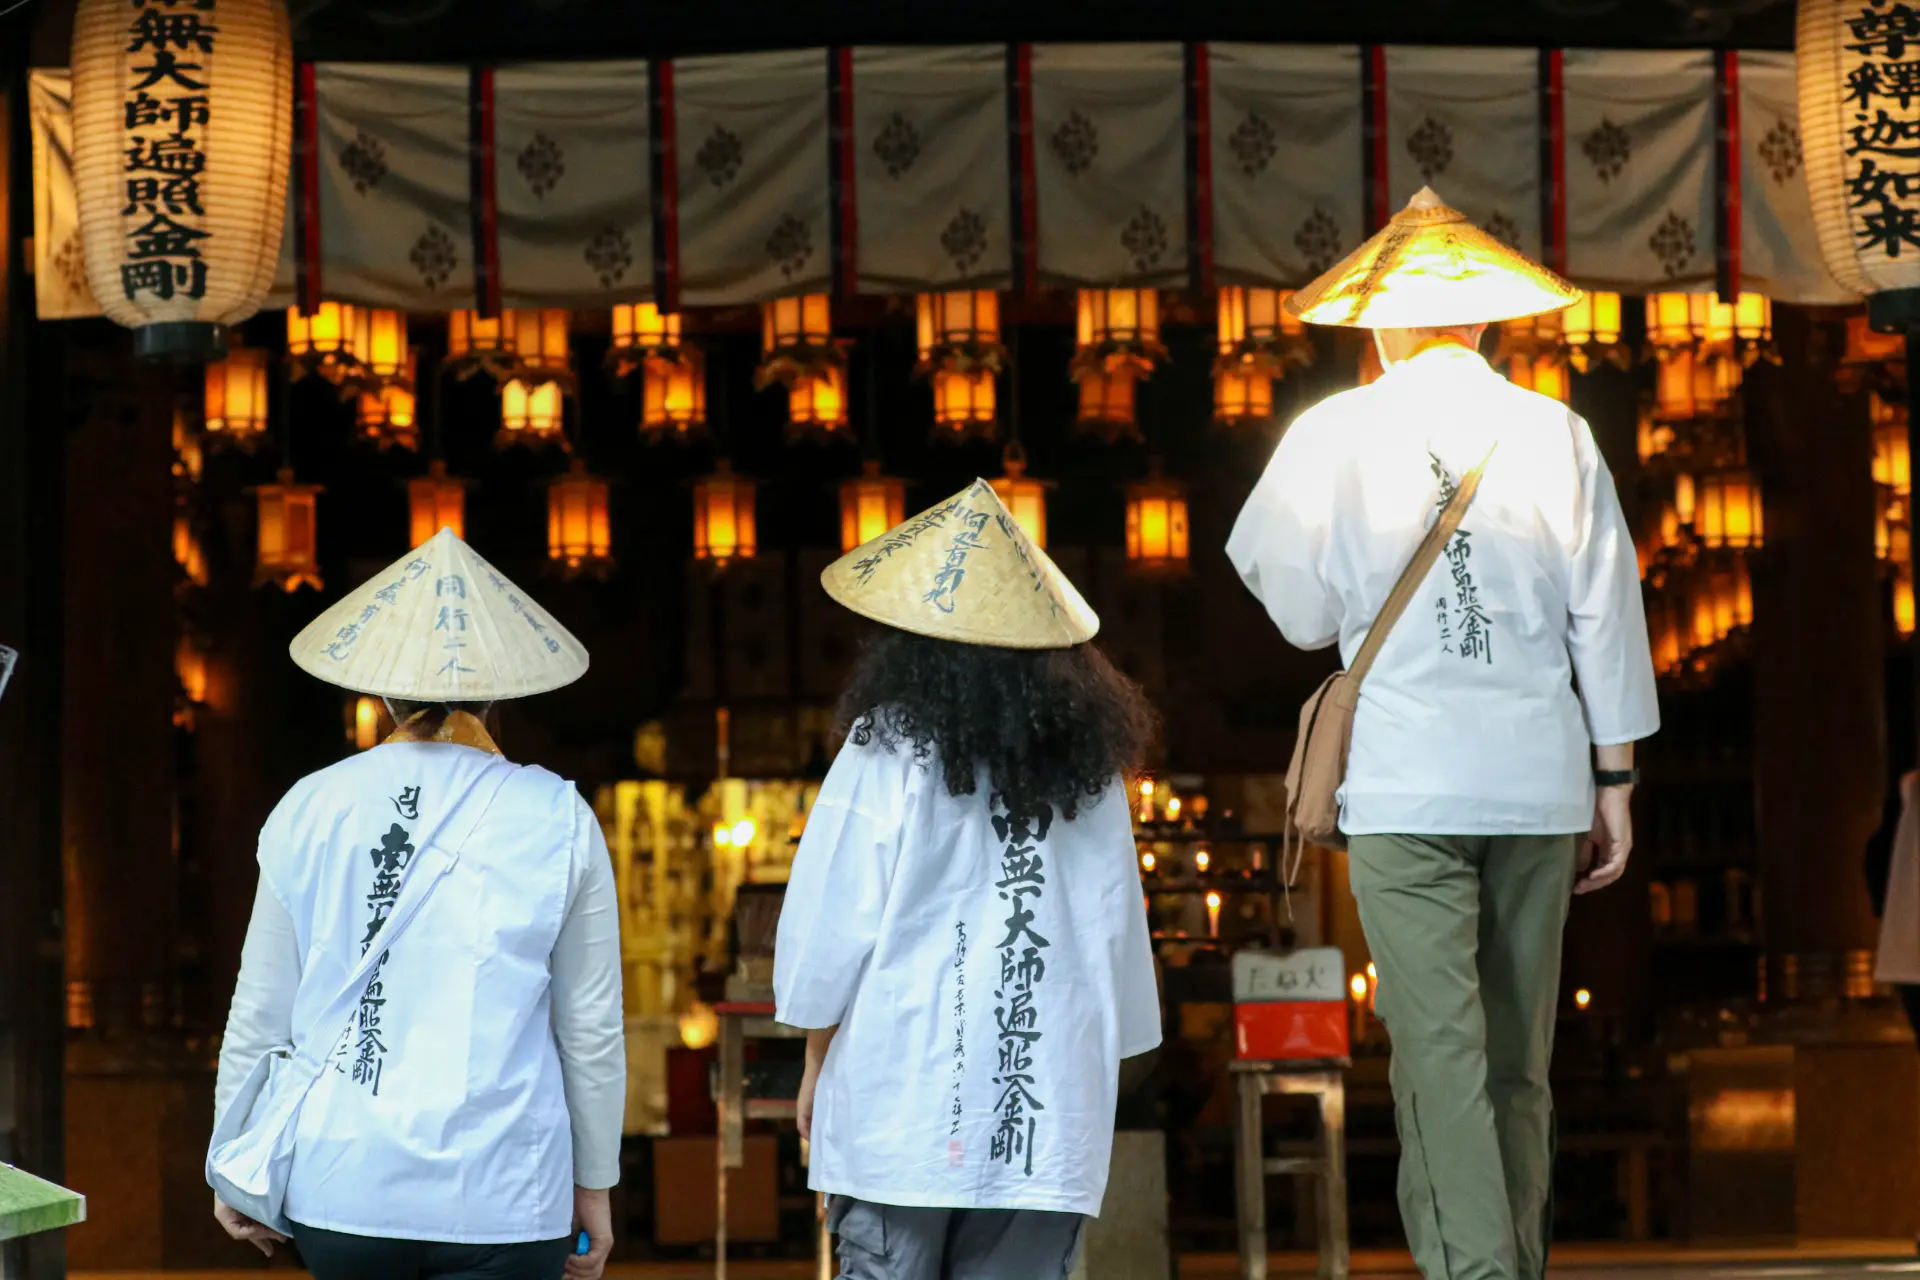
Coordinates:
[1325,1081]
[739,1022]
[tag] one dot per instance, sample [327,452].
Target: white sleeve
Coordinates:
[1607,620]
[588,1018]
[261,1016]
[837,891]
[1279,542]
[1135,980]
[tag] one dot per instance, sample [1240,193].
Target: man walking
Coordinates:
[1492,755]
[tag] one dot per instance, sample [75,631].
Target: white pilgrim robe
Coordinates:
[986,976]
[486,1073]
[1527,644]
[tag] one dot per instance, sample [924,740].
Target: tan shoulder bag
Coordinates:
[1319,767]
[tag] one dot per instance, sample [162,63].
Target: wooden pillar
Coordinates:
[32,1124]
[118,749]
[1818,668]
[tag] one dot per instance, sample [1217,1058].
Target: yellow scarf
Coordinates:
[459,728]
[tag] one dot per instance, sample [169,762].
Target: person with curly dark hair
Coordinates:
[964,936]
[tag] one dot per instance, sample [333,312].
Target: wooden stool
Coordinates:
[1326,1081]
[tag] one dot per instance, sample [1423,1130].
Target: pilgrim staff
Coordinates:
[463,1115]
[964,935]
[1491,762]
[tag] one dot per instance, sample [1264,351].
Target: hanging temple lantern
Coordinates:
[1107,404]
[476,343]
[387,414]
[1255,329]
[673,395]
[723,525]
[182,137]
[530,414]
[286,547]
[959,331]
[642,332]
[235,408]
[1157,525]
[436,501]
[1242,396]
[870,505]
[963,404]
[1023,496]
[327,341]
[817,403]
[579,536]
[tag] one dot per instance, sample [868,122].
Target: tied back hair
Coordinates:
[1053,728]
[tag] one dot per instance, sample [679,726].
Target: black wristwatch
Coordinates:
[1615,777]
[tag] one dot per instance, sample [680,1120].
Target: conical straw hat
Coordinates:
[964,570]
[1430,267]
[440,625]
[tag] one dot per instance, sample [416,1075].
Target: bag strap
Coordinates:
[417,885]
[1410,579]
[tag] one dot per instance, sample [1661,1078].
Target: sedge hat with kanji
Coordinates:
[964,570]
[440,625]
[1431,268]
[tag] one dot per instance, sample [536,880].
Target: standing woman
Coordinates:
[464,1114]
[964,934]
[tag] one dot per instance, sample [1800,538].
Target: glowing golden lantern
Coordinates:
[187,553]
[1903,610]
[1025,498]
[579,539]
[790,323]
[1250,315]
[1742,594]
[367,722]
[1702,634]
[1652,438]
[699,1026]
[963,403]
[1684,495]
[870,505]
[1157,524]
[182,137]
[642,331]
[1117,329]
[286,547]
[326,341]
[723,528]
[387,414]
[542,344]
[673,395]
[959,330]
[1731,515]
[1591,330]
[1106,404]
[1892,456]
[476,342]
[236,397]
[1545,374]
[1241,396]
[817,402]
[530,415]
[382,348]
[1670,322]
[1692,386]
[1753,318]
[436,501]
[1900,545]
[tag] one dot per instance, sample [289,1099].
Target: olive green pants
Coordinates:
[1465,932]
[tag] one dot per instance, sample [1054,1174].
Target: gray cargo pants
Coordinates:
[887,1242]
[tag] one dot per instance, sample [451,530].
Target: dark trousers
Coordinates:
[335,1255]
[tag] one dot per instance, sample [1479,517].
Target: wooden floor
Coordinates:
[1830,1260]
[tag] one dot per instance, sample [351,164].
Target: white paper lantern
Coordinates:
[182,127]
[1859,126]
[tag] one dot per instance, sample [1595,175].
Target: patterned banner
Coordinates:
[932,208]
[395,186]
[1779,248]
[1109,164]
[751,213]
[1466,122]
[1286,182]
[437,188]
[1639,166]
[572,189]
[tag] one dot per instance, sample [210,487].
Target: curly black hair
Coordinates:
[1054,727]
